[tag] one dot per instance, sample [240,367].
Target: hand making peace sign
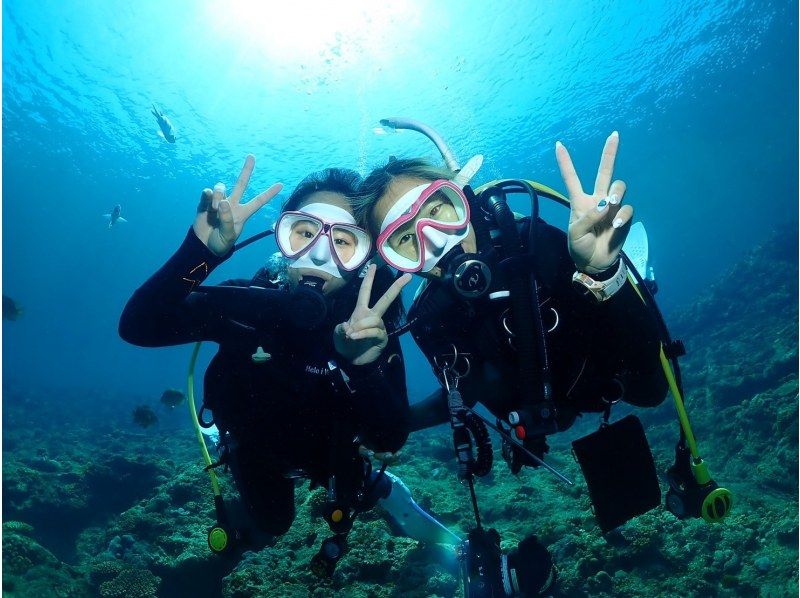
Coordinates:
[363,337]
[220,219]
[598,223]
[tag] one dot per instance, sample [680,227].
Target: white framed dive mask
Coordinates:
[322,237]
[423,225]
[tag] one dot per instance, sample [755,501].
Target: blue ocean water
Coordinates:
[704,95]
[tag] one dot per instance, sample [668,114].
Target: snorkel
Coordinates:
[397,122]
[444,244]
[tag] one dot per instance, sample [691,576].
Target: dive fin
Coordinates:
[121,219]
[636,248]
[410,519]
[469,170]
[211,435]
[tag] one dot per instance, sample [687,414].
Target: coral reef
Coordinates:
[95,507]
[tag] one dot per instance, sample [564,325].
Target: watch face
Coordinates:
[601,290]
[582,283]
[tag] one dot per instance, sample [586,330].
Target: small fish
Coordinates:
[167,130]
[144,416]
[114,216]
[172,398]
[11,310]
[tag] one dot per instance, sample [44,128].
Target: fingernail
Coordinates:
[219,187]
[601,205]
[224,206]
[613,199]
[617,222]
[559,144]
[614,133]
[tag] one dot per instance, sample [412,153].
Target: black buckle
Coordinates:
[222,462]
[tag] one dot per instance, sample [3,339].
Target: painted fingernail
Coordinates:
[601,205]
[613,199]
[617,222]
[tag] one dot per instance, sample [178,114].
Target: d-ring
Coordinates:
[552,309]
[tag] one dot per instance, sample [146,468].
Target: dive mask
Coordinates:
[424,225]
[322,237]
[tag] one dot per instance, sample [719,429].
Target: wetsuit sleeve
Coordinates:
[164,311]
[380,399]
[622,332]
[631,346]
[430,411]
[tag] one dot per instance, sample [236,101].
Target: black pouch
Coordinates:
[618,467]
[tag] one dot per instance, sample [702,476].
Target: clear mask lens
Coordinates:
[298,233]
[425,227]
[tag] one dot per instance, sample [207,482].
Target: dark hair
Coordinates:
[335,180]
[346,182]
[377,182]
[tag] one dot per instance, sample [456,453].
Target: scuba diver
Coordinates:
[540,327]
[595,350]
[306,378]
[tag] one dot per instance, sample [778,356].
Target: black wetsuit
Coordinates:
[596,350]
[285,414]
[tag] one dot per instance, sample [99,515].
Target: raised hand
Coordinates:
[598,223]
[363,337]
[220,219]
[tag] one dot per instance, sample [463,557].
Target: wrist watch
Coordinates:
[602,290]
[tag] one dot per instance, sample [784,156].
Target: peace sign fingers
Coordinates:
[606,168]
[371,326]
[391,294]
[568,173]
[382,304]
[244,179]
[364,337]
[260,200]
[362,302]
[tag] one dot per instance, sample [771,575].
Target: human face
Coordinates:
[323,235]
[303,230]
[332,252]
[419,222]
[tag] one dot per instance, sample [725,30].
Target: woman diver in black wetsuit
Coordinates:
[591,343]
[539,326]
[305,371]
[595,349]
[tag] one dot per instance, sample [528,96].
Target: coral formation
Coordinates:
[93,506]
